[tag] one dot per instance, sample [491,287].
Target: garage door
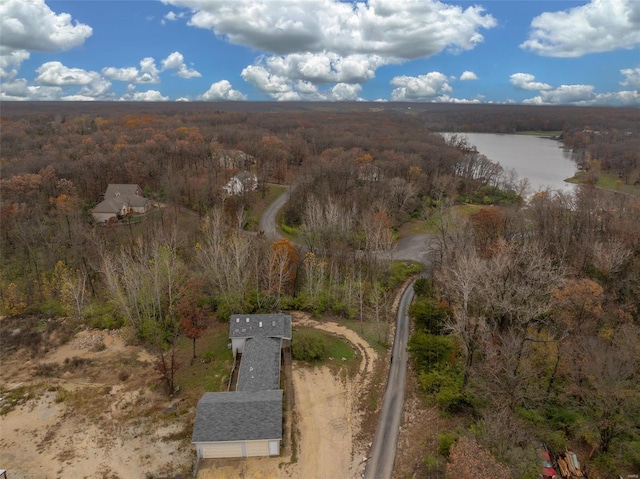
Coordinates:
[221,449]
[257,448]
[274,448]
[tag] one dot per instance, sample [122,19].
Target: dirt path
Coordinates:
[327,411]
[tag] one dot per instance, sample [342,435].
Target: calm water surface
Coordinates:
[541,160]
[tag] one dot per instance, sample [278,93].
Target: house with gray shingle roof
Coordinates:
[248,421]
[247,326]
[238,424]
[120,200]
[260,365]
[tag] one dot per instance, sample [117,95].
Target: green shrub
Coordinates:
[51,308]
[103,316]
[289,230]
[429,315]
[445,441]
[423,287]
[309,345]
[490,195]
[434,464]
[429,350]
[631,453]
[556,440]
[401,271]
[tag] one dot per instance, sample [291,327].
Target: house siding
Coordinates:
[257,448]
[214,450]
[220,449]
[104,217]
[237,345]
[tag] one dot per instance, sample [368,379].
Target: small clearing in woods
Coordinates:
[89,408]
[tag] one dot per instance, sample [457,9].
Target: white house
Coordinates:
[241,183]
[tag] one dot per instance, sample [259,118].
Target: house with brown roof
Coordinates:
[120,200]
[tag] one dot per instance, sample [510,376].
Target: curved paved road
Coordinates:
[267,223]
[385,443]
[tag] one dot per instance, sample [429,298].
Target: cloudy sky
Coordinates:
[579,52]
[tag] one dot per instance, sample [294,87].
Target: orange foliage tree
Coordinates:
[283,263]
[193,319]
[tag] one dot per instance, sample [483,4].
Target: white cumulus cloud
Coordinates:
[172,17]
[10,63]
[149,95]
[223,91]
[631,77]
[403,29]
[332,41]
[420,88]
[276,86]
[175,61]
[526,81]
[564,94]
[598,26]
[128,74]
[468,76]
[20,90]
[148,72]
[345,92]
[584,95]
[32,25]
[57,74]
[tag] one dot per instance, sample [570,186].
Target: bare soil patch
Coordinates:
[90,408]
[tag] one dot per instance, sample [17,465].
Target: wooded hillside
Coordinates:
[528,331]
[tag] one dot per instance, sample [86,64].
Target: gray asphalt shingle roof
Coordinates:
[260,365]
[117,189]
[260,326]
[118,196]
[238,416]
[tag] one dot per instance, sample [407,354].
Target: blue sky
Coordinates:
[580,52]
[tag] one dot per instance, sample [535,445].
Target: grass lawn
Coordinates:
[375,335]
[606,181]
[339,352]
[432,225]
[540,133]
[210,371]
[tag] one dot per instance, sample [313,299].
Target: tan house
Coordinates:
[120,200]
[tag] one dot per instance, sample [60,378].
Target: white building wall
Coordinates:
[260,448]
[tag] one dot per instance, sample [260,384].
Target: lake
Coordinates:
[541,160]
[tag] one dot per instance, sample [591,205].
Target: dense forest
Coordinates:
[527,330]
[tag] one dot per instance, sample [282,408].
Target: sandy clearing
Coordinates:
[45,438]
